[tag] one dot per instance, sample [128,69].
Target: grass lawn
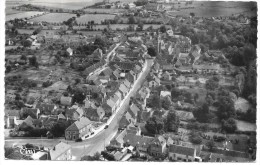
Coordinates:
[54,17]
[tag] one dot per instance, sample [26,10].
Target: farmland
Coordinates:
[54,17]
[22,15]
[93,10]
[95,17]
[213,9]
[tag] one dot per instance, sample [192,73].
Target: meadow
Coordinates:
[215,9]
[23,15]
[95,17]
[54,17]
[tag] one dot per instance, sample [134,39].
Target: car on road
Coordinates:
[106,127]
[92,133]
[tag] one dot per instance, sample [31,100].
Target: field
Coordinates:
[214,9]
[95,17]
[22,15]
[54,17]
[111,11]
[245,126]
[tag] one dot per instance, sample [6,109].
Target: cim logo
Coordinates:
[27,151]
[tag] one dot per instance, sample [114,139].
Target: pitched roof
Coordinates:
[182,150]
[91,112]
[29,121]
[127,83]
[159,140]
[133,110]
[123,88]
[61,116]
[45,107]
[106,72]
[65,100]
[183,115]
[79,124]
[58,150]
[31,111]
[135,140]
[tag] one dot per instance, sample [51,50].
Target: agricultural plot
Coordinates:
[110,11]
[94,17]
[245,126]
[54,17]
[28,14]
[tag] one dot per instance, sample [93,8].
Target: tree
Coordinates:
[78,14]
[229,125]
[33,61]
[155,102]
[226,107]
[163,29]
[95,157]
[131,20]
[140,26]
[211,84]
[172,122]
[155,125]
[166,103]
[202,113]
[152,51]
[195,138]
[26,43]
[192,14]
[211,145]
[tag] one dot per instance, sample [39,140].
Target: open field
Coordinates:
[245,126]
[23,15]
[214,9]
[54,17]
[94,17]
[110,11]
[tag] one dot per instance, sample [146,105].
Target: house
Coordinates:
[130,76]
[116,74]
[165,94]
[133,111]
[184,115]
[131,128]
[46,109]
[61,117]
[95,114]
[151,6]
[166,76]
[33,112]
[143,116]
[118,140]
[127,83]
[123,89]
[109,107]
[106,73]
[207,68]
[49,122]
[142,143]
[69,51]
[157,146]
[78,113]
[61,151]
[154,82]
[28,122]
[125,121]
[79,129]
[66,101]
[11,117]
[182,153]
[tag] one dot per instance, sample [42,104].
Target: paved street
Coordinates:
[97,143]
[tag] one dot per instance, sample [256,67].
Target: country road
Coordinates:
[97,143]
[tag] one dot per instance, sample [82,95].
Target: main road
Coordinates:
[98,142]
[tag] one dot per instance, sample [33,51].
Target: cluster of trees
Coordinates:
[141,2]
[202,114]
[182,95]
[95,157]
[195,137]
[157,125]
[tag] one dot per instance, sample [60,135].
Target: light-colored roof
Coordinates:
[79,124]
[58,150]
[181,150]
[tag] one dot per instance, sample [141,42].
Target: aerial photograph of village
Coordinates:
[130,80]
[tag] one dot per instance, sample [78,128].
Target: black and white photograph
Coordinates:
[129,81]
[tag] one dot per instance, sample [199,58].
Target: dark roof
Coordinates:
[135,140]
[91,112]
[133,110]
[79,124]
[182,150]
[30,111]
[45,108]
[106,72]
